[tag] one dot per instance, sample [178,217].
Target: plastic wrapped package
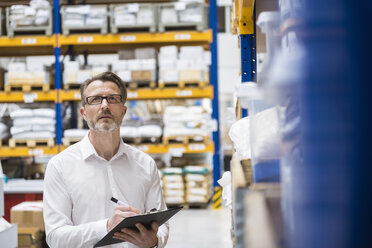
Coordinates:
[75,133]
[3,131]
[128,132]
[192,13]
[240,135]
[168,15]
[264,133]
[149,131]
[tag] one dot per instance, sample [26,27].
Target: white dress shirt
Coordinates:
[79,184]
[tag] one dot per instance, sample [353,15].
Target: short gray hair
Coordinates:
[106,76]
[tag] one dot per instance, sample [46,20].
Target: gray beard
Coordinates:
[104,128]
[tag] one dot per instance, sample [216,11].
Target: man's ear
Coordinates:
[82,112]
[124,111]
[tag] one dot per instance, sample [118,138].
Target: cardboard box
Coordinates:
[191,75]
[143,76]
[29,237]
[28,214]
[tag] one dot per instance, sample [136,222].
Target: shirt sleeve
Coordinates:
[156,200]
[59,228]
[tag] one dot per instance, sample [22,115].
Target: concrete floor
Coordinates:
[200,228]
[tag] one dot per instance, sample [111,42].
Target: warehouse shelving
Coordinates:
[148,148]
[140,94]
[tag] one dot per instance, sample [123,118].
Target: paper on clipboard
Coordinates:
[145,219]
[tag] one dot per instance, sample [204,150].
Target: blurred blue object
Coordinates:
[267,171]
[327,159]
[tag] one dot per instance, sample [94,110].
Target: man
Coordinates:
[80,181]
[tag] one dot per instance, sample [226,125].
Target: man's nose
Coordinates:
[104,103]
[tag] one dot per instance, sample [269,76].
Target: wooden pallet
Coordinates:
[27,87]
[71,86]
[196,205]
[30,142]
[70,141]
[183,84]
[184,139]
[137,85]
[150,140]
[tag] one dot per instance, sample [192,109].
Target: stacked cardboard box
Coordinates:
[137,65]
[29,217]
[173,185]
[198,184]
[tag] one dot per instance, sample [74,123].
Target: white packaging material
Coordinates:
[17,67]
[178,192]
[197,132]
[42,121]
[169,75]
[196,199]
[74,22]
[198,191]
[174,185]
[134,64]
[191,52]
[174,200]
[266,142]
[71,66]
[195,177]
[35,135]
[193,14]
[118,65]
[95,22]
[168,16]
[173,178]
[83,75]
[167,63]
[39,3]
[172,110]
[148,64]
[207,58]
[125,19]
[145,16]
[49,128]
[177,171]
[20,129]
[226,183]
[125,75]
[21,113]
[240,134]
[79,9]
[3,131]
[183,64]
[169,50]
[145,53]
[128,132]
[149,131]
[75,133]
[44,112]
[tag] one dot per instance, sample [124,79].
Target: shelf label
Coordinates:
[29,97]
[77,96]
[36,152]
[143,148]
[128,38]
[182,36]
[28,41]
[85,39]
[184,93]
[197,147]
[132,94]
[176,151]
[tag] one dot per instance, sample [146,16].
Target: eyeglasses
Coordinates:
[96,100]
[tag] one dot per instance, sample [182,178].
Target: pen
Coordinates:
[117,201]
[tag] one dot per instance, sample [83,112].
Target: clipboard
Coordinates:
[145,219]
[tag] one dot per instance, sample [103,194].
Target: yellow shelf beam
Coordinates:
[147,148]
[28,97]
[28,41]
[26,152]
[150,94]
[136,38]
[246,18]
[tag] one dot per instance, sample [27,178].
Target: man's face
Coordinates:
[104,117]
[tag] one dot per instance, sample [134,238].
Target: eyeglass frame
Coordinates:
[104,97]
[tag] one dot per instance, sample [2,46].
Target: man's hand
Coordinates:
[144,238]
[120,212]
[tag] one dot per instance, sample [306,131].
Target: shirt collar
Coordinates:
[87,149]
